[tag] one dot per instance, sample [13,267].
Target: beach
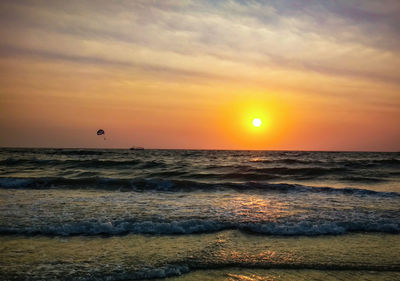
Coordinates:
[90,214]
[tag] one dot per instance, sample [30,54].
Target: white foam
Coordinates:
[198,226]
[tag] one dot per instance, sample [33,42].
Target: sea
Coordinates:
[119,214]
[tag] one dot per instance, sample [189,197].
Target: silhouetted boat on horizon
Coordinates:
[136,148]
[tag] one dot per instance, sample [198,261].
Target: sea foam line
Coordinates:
[146,184]
[191,226]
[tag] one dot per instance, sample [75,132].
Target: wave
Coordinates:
[287,161]
[371,163]
[353,163]
[92,163]
[246,172]
[310,165]
[154,184]
[306,171]
[158,168]
[160,272]
[190,265]
[192,226]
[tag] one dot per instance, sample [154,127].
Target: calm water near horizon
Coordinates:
[113,214]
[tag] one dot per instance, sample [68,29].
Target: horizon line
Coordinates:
[200,149]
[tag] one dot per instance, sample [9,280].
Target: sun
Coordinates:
[257,122]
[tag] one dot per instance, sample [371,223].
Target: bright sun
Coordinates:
[257,122]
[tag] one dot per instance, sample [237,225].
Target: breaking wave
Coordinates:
[191,226]
[142,184]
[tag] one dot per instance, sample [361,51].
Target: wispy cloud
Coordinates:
[334,38]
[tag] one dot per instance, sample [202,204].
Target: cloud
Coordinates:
[354,39]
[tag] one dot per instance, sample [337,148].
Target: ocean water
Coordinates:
[81,214]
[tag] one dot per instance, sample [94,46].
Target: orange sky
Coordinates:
[192,74]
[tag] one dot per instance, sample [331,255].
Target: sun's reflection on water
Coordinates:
[255,208]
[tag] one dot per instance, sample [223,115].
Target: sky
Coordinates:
[321,75]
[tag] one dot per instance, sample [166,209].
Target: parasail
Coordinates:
[101,132]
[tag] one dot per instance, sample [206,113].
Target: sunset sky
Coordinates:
[321,75]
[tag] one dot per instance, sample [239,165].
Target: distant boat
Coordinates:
[136,148]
